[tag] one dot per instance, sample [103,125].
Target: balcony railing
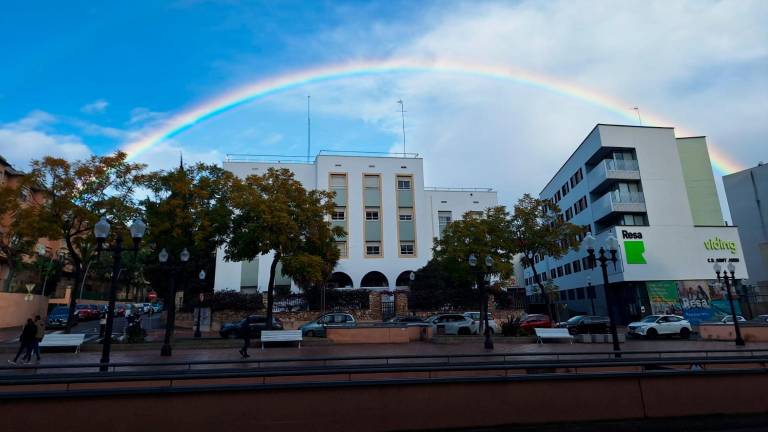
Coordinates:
[611,170]
[621,165]
[615,201]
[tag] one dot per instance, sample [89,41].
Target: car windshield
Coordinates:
[574,320]
[650,319]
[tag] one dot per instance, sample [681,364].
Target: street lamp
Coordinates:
[730,268]
[170,321]
[472,260]
[591,293]
[611,246]
[101,230]
[200,306]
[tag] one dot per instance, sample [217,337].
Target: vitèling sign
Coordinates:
[718,244]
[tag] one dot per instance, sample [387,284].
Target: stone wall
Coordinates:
[15,309]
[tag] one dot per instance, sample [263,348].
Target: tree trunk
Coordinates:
[271,289]
[537,279]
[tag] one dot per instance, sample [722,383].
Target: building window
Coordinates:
[568,214]
[576,266]
[338,181]
[342,245]
[634,220]
[552,274]
[371,214]
[406,214]
[406,248]
[580,293]
[403,183]
[571,294]
[560,271]
[568,268]
[585,263]
[339,214]
[371,181]
[373,249]
[443,219]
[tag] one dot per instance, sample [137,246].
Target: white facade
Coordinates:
[631,182]
[398,218]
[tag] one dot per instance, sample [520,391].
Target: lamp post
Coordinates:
[730,268]
[611,246]
[170,321]
[472,260]
[200,298]
[101,230]
[591,293]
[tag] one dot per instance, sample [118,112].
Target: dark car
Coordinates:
[256,322]
[581,324]
[408,320]
[57,318]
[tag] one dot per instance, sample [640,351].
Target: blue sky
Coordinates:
[87,77]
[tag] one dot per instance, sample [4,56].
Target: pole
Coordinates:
[309,125]
[199,310]
[736,327]
[117,253]
[484,310]
[166,350]
[402,115]
[609,300]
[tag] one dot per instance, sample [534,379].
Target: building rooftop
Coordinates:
[304,159]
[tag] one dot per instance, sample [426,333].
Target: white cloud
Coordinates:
[95,107]
[30,138]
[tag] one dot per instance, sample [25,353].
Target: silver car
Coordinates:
[475,317]
[452,324]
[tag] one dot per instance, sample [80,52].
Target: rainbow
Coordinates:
[269,86]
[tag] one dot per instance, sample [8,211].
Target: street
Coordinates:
[91,328]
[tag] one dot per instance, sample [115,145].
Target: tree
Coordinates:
[442,284]
[274,213]
[17,225]
[76,194]
[486,235]
[539,229]
[187,207]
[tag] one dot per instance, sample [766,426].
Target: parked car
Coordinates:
[332,319]
[475,317]
[120,310]
[147,307]
[728,319]
[86,312]
[760,319]
[57,318]
[533,321]
[655,325]
[453,324]
[581,324]
[157,307]
[406,319]
[256,322]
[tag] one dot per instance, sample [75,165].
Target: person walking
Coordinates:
[39,335]
[245,332]
[26,340]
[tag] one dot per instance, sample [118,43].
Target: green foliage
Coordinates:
[443,285]
[235,301]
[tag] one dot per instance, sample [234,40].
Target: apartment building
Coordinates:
[390,217]
[656,194]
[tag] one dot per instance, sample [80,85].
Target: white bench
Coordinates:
[552,333]
[281,336]
[63,340]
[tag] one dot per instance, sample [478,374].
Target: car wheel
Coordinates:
[651,334]
[685,333]
[311,333]
[464,331]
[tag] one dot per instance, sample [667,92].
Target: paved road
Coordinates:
[91,328]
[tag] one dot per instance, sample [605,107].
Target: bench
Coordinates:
[280,336]
[552,333]
[63,340]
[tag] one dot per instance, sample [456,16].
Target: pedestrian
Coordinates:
[26,340]
[245,332]
[102,324]
[39,335]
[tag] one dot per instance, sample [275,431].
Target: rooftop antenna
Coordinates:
[639,119]
[402,115]
[309,125]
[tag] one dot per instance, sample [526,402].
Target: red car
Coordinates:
[535,321]
[85,312]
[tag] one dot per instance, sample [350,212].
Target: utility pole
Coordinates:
[402,115]
[639,119]
[309,128]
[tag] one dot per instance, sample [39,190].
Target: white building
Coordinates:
[656,194]
[390,218]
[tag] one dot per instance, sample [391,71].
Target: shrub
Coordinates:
[235,301]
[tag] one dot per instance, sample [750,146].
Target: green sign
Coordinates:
[663,296]
[719,244]
[634,250]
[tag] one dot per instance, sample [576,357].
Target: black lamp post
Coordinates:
[472,260]
[101,230]
[611,246]
[730,268]
[591,293]
[200,305]
[170,321]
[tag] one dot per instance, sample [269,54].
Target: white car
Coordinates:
[656,325]
[452,323]
[475,317]
[728,319]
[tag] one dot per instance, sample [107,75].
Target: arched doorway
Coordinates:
[404,279]
[339,280]
[374,279]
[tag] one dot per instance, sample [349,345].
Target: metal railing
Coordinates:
[622,197]
[621,165]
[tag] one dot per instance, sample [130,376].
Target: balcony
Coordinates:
[622,202]
[611,170]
